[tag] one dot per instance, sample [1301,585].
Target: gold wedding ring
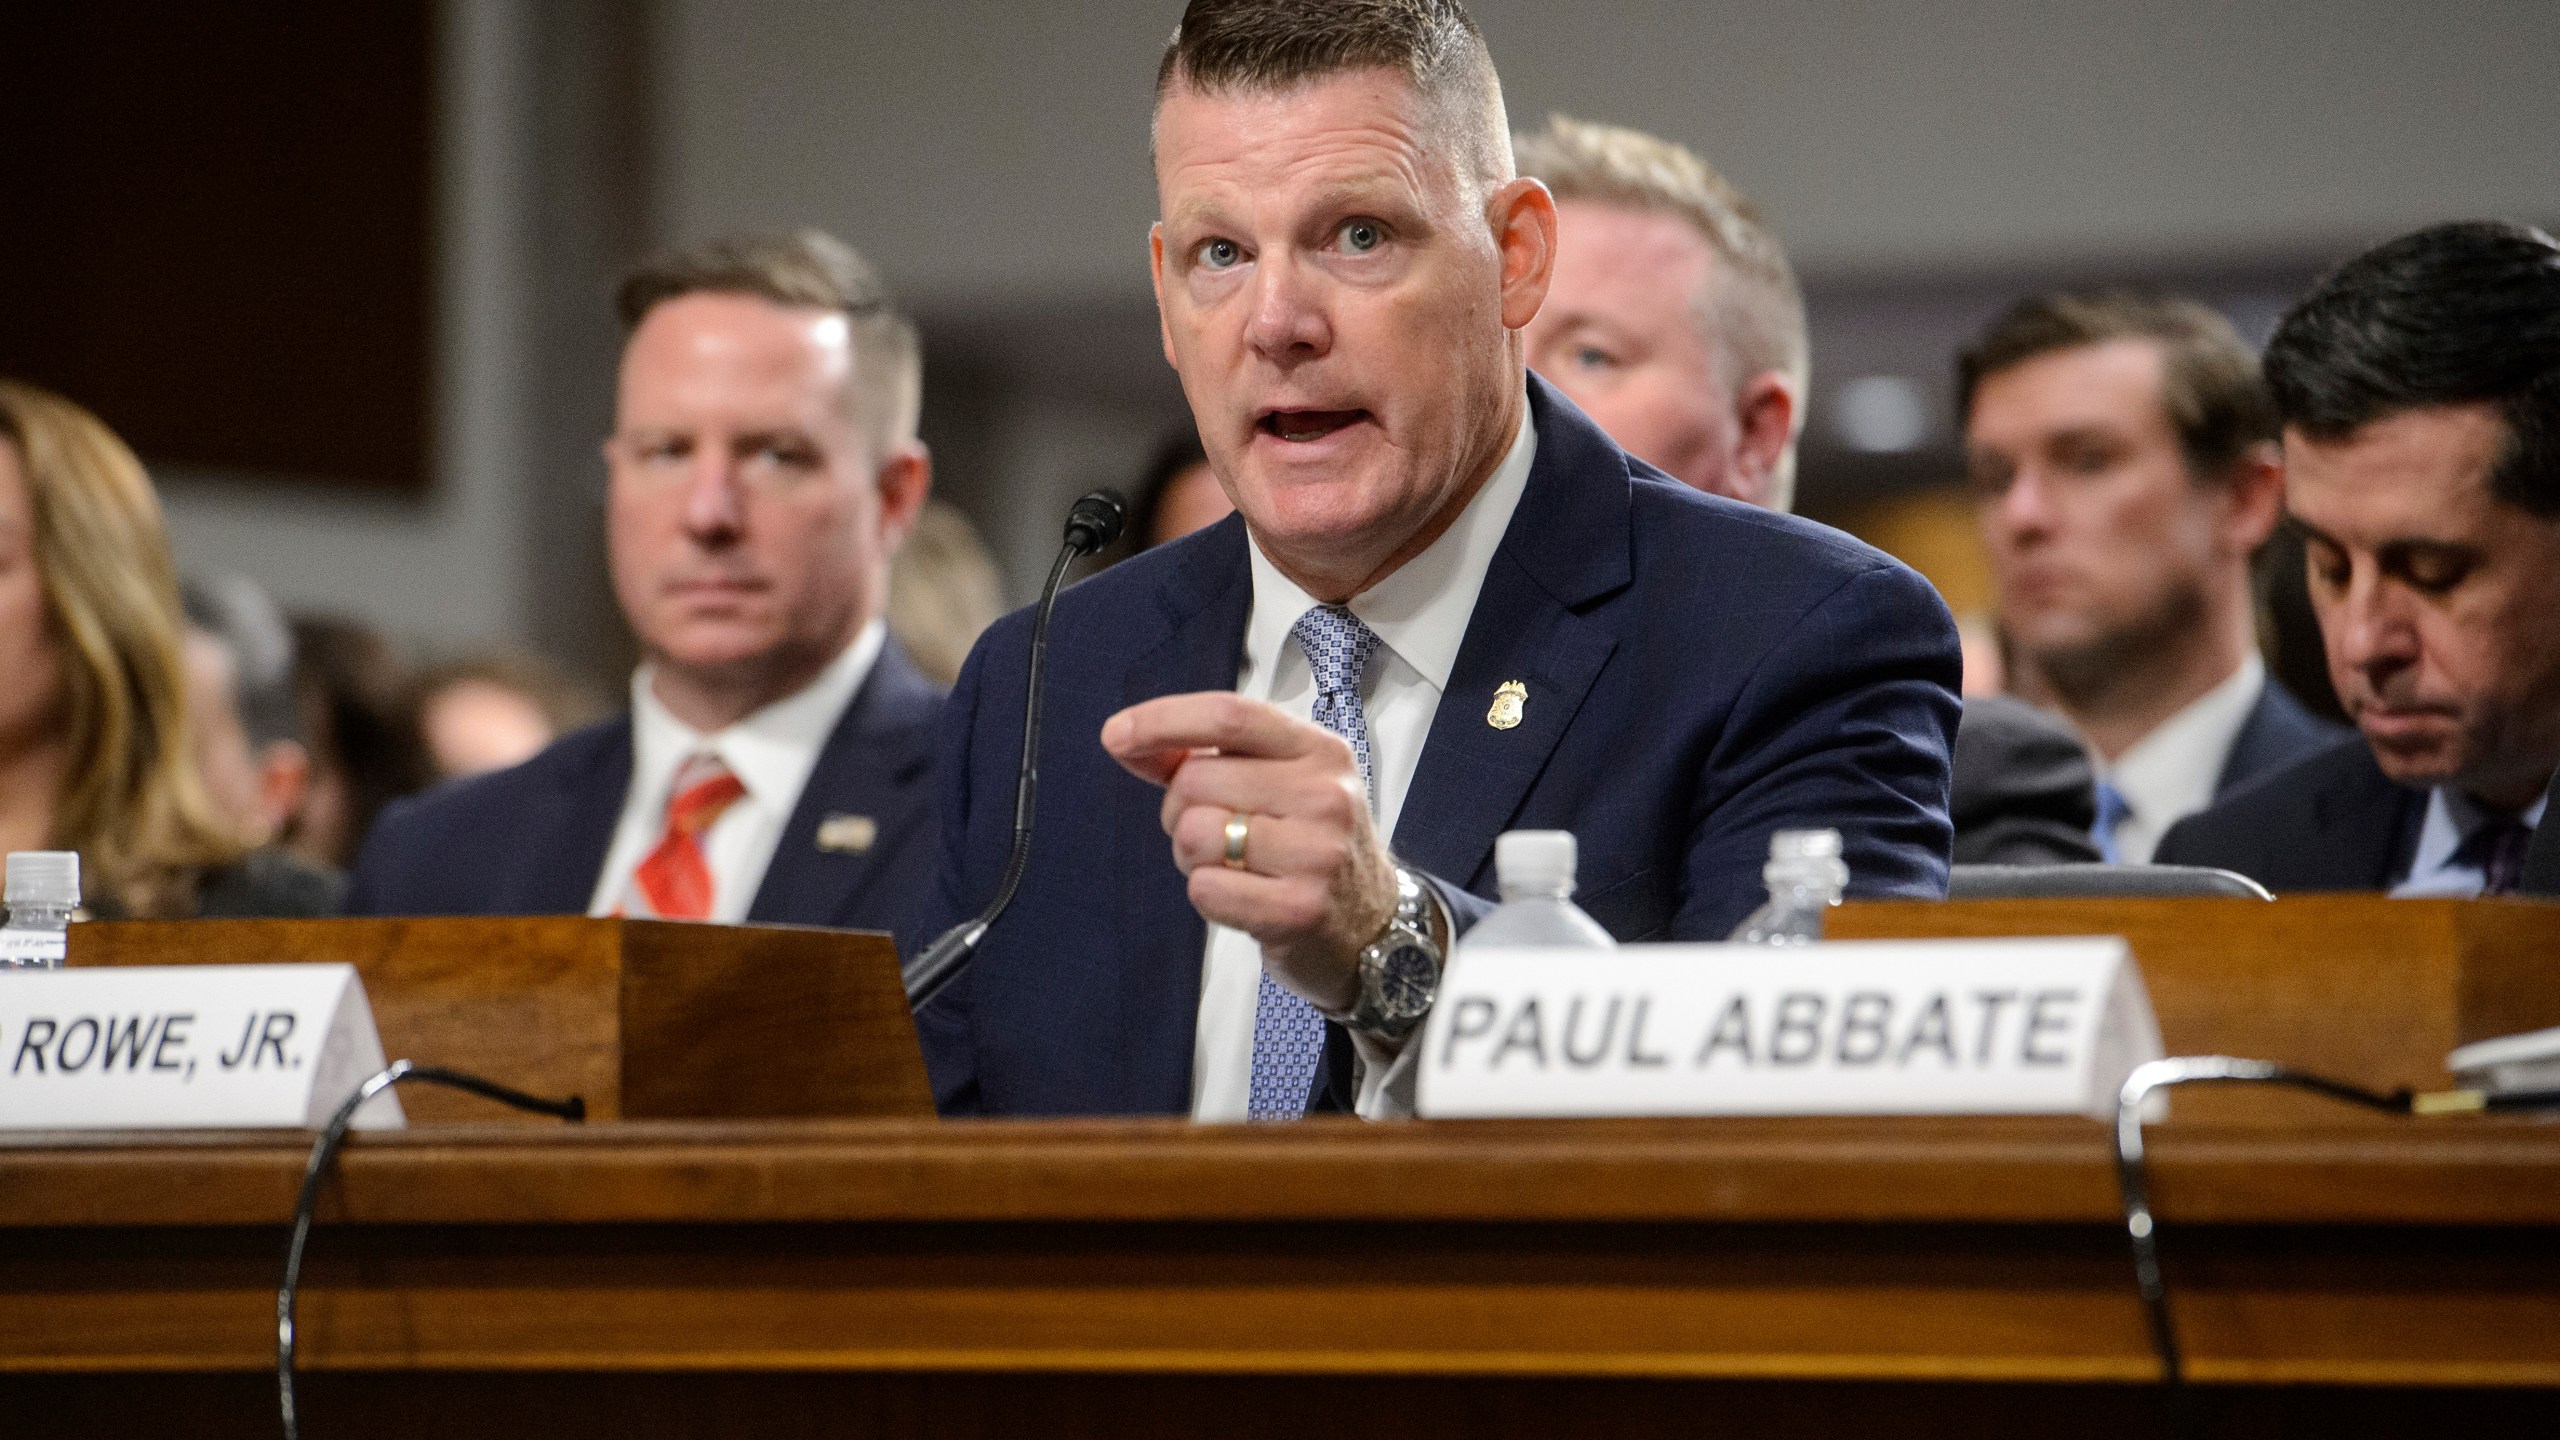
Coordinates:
[1238,826]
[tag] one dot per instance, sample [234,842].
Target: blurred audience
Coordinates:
[2122,452]
[494,709]
[943,590]
[2023,792]
[247,714]
[361,732]
[777,762]
[97,749]
[1177,494]
[1673,319]
[2419,390]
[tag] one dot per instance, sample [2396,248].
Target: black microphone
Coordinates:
[1093,523]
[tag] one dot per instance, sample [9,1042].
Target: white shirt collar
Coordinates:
[772,750]
[2171,773]
[1421,609]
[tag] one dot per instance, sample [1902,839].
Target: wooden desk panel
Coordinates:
[1973,1250]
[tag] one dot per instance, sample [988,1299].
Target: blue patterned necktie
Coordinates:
[2112,812]
[1288,1034]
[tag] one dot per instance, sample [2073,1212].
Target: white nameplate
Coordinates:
[1880,1027]
[187,1047]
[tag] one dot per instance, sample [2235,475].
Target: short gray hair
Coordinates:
[803,269]
[1264,45]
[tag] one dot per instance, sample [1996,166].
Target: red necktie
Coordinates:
[674,881]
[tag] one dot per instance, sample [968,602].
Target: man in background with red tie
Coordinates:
[775,764]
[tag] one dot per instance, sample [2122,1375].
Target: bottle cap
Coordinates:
[1542,859]
[1805,845]
[1806,857]
[43,877]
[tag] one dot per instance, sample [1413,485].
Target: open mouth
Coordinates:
[1302,426]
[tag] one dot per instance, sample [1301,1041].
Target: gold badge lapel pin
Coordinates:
[847,834]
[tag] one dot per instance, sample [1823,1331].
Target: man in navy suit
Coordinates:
[2122,453]
[776,763]
[1449,607]
[2420,389]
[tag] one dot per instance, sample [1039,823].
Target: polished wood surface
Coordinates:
[1951,1249]
[643,1018]
[2332,1272]
[2363,988]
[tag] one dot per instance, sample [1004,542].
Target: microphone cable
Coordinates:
[325,1149]
[2133,1176]
[1094,522]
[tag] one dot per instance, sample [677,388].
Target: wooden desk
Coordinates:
[1143,1278]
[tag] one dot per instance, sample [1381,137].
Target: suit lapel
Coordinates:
[581,812]
[1205,609]
[2368,826]
[871,761]
[1567,545]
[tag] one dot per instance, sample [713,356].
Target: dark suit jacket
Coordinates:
[2542,857]
[531,840]
[2279,732]
[2330,822]
[1699,674]
[2024,791]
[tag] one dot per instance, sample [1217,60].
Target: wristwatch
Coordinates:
[1400,970]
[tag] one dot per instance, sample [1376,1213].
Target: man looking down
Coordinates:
[2420,389]
[1449,606]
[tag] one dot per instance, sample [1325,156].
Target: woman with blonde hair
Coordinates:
[95,751]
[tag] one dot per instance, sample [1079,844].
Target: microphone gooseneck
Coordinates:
[1095,521]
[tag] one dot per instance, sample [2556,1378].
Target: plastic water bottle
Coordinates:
[1535,870]
[1805,876]
[42,890]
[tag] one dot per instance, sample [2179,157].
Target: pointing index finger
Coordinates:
[1154,737]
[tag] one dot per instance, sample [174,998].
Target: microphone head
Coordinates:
[1096,521]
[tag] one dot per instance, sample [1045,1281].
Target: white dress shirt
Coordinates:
[771,752]
[2436,869]
[1420,613]
[2170,773]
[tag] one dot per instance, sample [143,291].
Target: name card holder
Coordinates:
[1896,1027]
[187,1047]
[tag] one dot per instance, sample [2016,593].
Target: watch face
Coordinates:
[1407,979]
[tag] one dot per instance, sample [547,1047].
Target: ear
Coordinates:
[2256,500]
[1523,216]
[1155,277]
[1766,412]
[905,478]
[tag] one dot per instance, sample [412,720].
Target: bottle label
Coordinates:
[22,949]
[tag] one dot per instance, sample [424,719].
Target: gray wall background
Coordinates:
[1921,160]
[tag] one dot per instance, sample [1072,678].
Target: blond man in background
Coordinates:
[1674,319]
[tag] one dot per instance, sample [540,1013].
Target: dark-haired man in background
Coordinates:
[775,766]
[2122,453]
[1448,606]
[2419,386]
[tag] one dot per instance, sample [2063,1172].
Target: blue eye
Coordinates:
[1220,254]
[1362,236]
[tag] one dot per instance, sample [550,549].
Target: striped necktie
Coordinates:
[1288,1034]
[673,882]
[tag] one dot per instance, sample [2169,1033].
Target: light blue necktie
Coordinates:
[1288,1034]
[2112,812]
